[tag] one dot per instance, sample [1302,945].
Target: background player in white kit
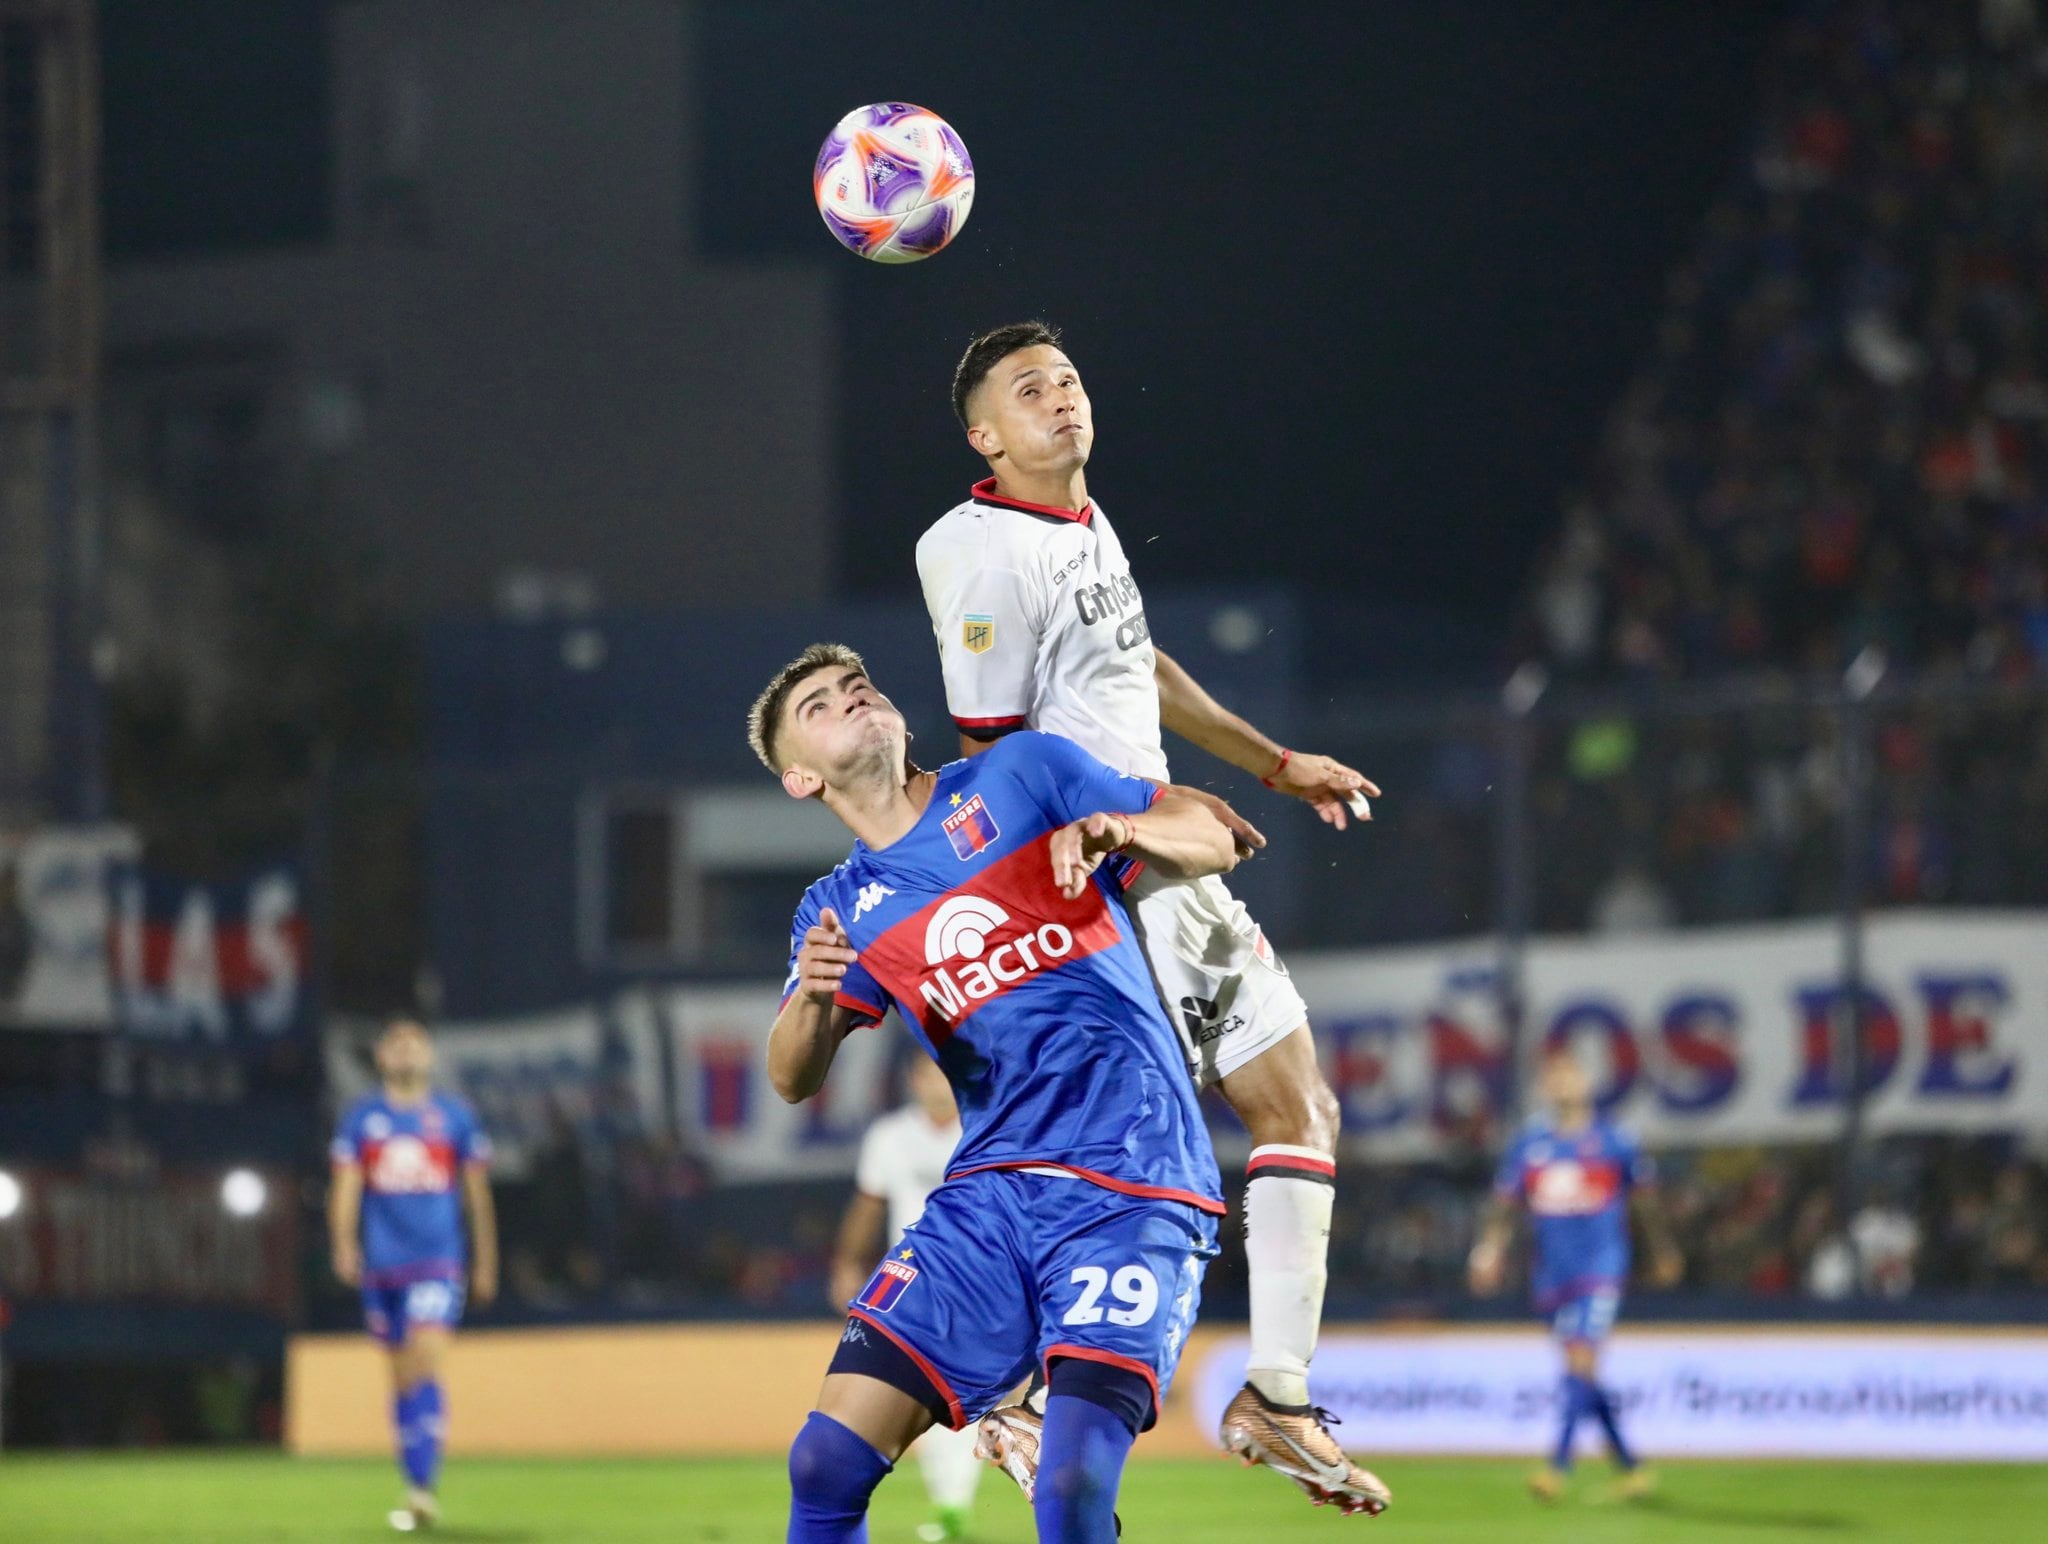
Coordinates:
[903,1159]
[1040,625]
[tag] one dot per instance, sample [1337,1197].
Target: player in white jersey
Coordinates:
[1040,625]
[903,1159]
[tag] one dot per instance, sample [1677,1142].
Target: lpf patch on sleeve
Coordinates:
[977,632]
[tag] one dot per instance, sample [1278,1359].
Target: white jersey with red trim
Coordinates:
[903,1159]
[1040,623]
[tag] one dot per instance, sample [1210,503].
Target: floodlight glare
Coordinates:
[243,1192]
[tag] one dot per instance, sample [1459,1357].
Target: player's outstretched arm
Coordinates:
[810,1026]
[1667,1264]
[1190,712]
[344,1216]
[1487,1268]
[1178,836]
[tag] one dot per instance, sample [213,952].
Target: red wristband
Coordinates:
[1130,833]
[1285,757]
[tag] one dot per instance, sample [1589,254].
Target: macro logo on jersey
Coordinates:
[970,828]
[960,930]
[891,1279]
[406,1165]
[977,632]
[1001,929]
[1566,1187]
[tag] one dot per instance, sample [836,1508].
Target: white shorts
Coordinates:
[1220,981]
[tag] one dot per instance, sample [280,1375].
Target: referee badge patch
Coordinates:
[977,632]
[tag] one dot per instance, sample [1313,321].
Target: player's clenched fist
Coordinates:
[1079,847]
[822,960]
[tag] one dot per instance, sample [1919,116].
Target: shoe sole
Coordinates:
[994,1444]
[1240,1441]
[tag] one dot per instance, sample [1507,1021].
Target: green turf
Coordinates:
[207,1499]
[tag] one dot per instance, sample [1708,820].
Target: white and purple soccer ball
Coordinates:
[893,182]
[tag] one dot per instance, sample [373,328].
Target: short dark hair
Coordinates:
[764,719]
[990,350]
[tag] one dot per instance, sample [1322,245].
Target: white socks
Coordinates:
[951,1471]
[1287,1247]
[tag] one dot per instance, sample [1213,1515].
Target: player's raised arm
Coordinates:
[1177,835]
[811,1024]
[1328,786]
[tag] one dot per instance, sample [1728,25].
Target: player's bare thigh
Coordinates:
[1282,1096]
[1582,1359]
[419,1357]
[879,1413]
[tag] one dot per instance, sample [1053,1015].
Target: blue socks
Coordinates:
[1610,1422]
[417,1413]
[1079,1467]
[832,1472]
[1582,1397]
[1575,1401]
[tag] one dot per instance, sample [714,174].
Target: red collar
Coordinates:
[985,493]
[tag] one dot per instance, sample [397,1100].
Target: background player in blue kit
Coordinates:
[407,1160]
[1078,1212]
[1579,1176]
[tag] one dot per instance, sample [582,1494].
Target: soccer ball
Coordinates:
[893,182]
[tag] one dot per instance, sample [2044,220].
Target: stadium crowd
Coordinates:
[1839,441]
[1841,437]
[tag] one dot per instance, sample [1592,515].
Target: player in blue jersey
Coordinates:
[407,1161]
[981,902]
[1579,1175]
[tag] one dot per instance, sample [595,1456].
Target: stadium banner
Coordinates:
[55,918]
[533,1080]
[728,1114]
[1861,1391]
[1713,1035]
[1709,1036]
[1813,1392]
[209,965]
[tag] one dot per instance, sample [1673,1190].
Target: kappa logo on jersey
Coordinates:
[977,632]
[970,827]
[408,1166]
[870,897]
[890,1281]
[961,929]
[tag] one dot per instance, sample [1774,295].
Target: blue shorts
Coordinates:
[1587,1317]
[389,1312]
[1007,1270]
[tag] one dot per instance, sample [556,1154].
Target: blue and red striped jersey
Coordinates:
[1576,1185]
[1040,1010]
[411,1156]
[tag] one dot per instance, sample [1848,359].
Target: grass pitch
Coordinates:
[269,1499]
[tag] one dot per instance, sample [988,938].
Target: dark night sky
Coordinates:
[1351,285]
